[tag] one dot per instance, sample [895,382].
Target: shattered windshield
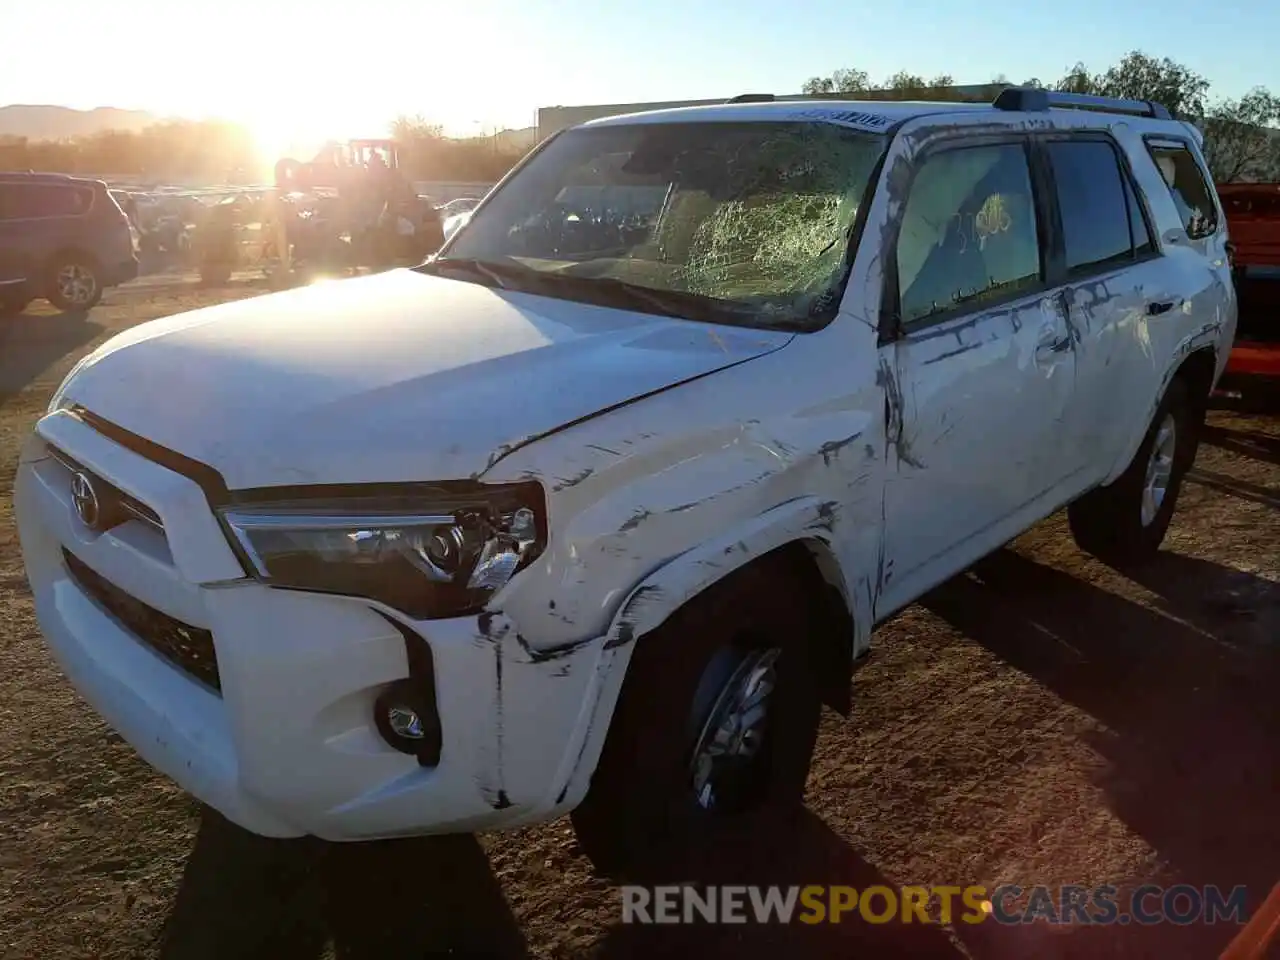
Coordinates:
[742,222]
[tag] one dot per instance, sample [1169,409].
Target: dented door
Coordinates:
[980,377]
[974,437]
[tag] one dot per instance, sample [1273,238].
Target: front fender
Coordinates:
[650,602]
[677,582]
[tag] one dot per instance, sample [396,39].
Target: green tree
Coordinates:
[1241,139]
[1142,77]
[842,81]
[903,85]
[911,86]
[1079,80]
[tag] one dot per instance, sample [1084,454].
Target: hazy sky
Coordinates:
[296,70]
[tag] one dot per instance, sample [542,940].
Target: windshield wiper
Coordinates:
[488,271]
[624,294]
[510,274]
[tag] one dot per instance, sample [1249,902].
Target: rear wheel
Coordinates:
[75,283]
[717,718]
[1125,522]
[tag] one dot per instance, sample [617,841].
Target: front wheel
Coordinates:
[74,284]
[1125,522]
[717,718]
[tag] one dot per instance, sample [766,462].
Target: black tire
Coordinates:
[78,292]
[1107,522]
[642,805]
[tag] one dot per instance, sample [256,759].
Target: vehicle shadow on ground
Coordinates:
[249,897]
[1258,446]
[30,343]
[1192,738]
[794,850]
[1241,489]
[252,898]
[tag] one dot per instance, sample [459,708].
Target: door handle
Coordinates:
[1056,335]
[1157,307]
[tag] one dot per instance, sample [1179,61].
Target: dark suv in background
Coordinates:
[62,238]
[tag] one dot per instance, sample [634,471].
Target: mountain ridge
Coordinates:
[37,121]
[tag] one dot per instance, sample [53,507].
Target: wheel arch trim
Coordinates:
[803,522]
[1196,344]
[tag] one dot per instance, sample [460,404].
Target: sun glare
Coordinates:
[299,134]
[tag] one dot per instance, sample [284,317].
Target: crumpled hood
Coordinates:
[394,377]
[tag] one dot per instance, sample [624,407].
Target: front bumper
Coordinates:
[289,745]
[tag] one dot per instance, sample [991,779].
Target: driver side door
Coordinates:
[14,241]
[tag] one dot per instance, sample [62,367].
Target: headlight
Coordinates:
[438,557]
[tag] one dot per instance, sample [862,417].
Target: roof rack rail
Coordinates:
[752,98]
[1034,100]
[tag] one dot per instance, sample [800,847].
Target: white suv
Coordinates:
[595,509]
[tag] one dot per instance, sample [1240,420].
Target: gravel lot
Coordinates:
[1040,719]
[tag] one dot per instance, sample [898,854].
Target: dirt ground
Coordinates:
[1038,720]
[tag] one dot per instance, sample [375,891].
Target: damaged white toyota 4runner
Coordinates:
[593,511]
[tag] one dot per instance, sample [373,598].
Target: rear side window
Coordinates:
[1188,188]
[969,232]
[1096,224]
[35,200]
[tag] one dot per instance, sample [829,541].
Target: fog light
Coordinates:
[407,721]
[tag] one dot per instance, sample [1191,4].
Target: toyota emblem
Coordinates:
[85,500]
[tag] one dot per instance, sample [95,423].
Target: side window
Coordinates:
[1138,228]
[969,232]
[1095,216]
[1188,188]
[35,200]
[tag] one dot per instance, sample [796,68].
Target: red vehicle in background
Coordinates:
[1253,219]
